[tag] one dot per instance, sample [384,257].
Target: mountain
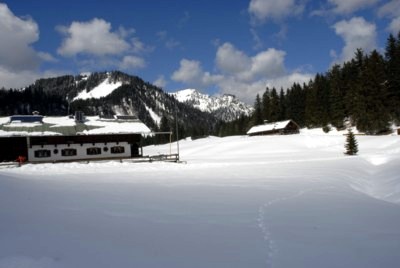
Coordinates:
[107,94]
[226,107]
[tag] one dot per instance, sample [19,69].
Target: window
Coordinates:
[117,150]
[42,153]
[93,151]
[68,152]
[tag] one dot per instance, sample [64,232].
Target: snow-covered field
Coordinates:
[272,201]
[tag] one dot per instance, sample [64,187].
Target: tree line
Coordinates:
[363,92]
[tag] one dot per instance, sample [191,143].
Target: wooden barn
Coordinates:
[277,128]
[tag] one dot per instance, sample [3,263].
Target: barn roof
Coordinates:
[269,127]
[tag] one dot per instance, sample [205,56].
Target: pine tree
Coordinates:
[392,56]
[373,116]
[275,108]
[266,105]
[295,104]
[257,115]
[282,107]
[337,96]
[351,144]
[311,113]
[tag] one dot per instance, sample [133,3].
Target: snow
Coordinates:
[106,126]
[102,126]
[103,89]
[185,94]
[264,201]
[225,107]
[153,115]
[268,127]
[201,101]
[60,120]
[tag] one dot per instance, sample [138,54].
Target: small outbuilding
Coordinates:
[277,128]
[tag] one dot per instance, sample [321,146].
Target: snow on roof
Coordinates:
[114,127]
[63,125]
[269,127]
[105,88]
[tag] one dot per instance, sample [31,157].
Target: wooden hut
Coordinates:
[276,128]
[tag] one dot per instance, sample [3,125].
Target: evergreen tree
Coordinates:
[351,144]
[266,105]
[350,82]
[392,56]
[295,104]
[373,117]
[164,127]
[275,107]
[337,96]
[257,115]
[311,112]
[282,106]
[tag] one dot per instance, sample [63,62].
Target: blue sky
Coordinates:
[225,46]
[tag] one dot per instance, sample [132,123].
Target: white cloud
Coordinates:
[269,63]
[246,91]
[138,46]
[12,79]
[356,33]
[190,72]
[132,62]
[19,61]
[94,37]
[168,41]
[240,74]
[98,46]
[394,26]
[288,80]
[161,82]
[16,37]
[44,56]
[350,6]
[230,60]
[124,32]
[258,44]
[391,10]
[262,10]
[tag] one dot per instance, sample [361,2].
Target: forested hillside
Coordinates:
[363,92]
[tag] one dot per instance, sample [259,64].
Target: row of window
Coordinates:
[42,153]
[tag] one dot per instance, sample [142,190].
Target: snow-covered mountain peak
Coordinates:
[226,107]
[186,94]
